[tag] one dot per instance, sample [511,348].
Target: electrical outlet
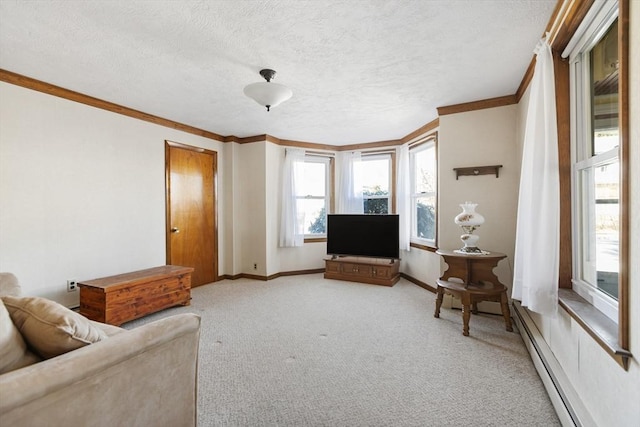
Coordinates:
[255,266]
[72,286]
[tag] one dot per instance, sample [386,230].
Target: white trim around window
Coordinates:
[424,192]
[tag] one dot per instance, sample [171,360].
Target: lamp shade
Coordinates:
[268,94]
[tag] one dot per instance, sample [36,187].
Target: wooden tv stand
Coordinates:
[375,271]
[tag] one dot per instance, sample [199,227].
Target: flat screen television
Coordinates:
[376,236]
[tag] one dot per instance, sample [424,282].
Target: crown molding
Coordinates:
[500,101]
[429,127]
[40,86]
[563,23]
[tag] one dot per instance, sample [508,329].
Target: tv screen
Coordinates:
[376,236]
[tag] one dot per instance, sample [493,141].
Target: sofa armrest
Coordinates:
[146,376]
[108,329]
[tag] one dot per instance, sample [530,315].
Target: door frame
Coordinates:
[167,146]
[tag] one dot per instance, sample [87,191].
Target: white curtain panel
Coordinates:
[350,199]
[537,233]
[404,197]
[291,230]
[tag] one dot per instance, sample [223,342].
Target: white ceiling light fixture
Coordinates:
[266,93]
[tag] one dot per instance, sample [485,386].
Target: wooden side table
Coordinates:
[479,283]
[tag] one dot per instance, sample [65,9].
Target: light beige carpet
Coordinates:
[305,351]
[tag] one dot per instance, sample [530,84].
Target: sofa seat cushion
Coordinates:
[14,353]
[49,328]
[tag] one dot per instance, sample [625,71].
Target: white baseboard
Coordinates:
[569,407]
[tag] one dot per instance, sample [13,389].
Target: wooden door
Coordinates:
[191,215]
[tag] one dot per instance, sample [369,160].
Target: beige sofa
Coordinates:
[141,377]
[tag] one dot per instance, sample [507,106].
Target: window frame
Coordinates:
[422,145]
[390,157]
[612,337]
[328,160]
[582,158]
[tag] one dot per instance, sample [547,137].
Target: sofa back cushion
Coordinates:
[9,285]
[14,353]
[49,328]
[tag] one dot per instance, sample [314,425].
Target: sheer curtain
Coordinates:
[537,234]
[350,199]
[404,197]
[291,231]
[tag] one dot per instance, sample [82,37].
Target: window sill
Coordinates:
[315,239]
[423,247]
[596,324]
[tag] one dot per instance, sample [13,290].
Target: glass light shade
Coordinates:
[268,94]
[469,217]
[469,220]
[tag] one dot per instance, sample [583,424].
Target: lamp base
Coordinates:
[471,250]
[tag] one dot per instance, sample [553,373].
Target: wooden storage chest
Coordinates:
[119,299]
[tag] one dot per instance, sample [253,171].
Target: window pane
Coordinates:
[375,176]
[313,215]
[425,170]
[604,92]
[600,224]
[424,188]
[374,173]
[376,206]
[425,218]
[607,225]
[587,247]
[313,179]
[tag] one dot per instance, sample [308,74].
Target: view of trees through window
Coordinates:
[375,174]
[426,221]
[375,205]
[319,225]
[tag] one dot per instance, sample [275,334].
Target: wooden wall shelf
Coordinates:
[477,170]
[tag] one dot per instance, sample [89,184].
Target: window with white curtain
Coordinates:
[313,195]
[423,183]
[596,163]
[375,175]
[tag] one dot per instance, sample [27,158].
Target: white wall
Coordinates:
[250,228]
[227,209]
[609,393]
[82,191]
[475,138]
[480,138]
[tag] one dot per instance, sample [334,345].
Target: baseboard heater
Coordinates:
[565,400]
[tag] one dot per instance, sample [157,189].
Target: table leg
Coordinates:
[474,308]
[504,303]
[465,299]
[466,315]
[439,297]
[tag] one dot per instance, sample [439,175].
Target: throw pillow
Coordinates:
[50,328]
[13,350]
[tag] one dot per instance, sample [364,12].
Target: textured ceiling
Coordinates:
[360,70]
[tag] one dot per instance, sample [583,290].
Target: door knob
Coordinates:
[175,230]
